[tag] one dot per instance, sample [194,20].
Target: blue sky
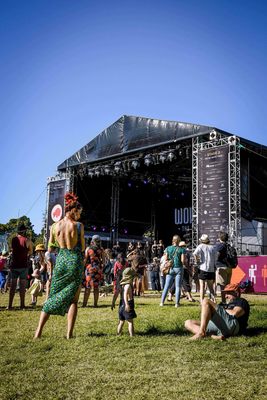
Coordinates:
[71,68]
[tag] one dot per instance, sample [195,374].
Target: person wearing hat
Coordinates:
[221,320]
[205,257]
[126,308]
[94,261]
[22,248]
[120,264]
[36,288]
[39,266]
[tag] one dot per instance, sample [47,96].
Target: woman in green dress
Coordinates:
[68,236]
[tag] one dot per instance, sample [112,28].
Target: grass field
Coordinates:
[158,363]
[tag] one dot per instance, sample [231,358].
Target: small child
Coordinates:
[119,267]
[36,288]
[126,309]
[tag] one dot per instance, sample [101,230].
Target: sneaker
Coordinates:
[177,305]
[161,304]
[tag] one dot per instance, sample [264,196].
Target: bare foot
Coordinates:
[198,336]
[218,337]
[36,336]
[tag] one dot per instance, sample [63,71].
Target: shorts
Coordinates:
[125,315]
[223,275]
[206,276]
[19,273]
[222,323]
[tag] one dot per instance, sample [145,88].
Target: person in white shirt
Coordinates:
[205,257]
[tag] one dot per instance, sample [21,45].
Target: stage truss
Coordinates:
[216,140]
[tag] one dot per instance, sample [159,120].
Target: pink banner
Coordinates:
[253,268]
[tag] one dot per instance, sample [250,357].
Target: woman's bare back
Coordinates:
[65,233]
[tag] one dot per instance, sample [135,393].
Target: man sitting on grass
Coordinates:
[222,320]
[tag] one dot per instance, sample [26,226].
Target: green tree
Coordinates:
[11,229]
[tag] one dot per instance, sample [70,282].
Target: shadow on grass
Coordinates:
[98,306]
[154,331]
[250,332]
[96,334]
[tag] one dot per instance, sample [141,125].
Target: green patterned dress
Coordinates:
[66,279]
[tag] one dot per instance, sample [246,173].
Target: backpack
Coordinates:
[231,256]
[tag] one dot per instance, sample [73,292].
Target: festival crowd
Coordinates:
[69,269]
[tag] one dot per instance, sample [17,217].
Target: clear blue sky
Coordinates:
[71,68]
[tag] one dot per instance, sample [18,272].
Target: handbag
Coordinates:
[168,264]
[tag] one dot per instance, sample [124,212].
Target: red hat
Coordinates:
[232,287]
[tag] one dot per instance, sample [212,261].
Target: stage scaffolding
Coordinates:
[216,140]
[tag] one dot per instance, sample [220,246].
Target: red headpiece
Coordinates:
[71,201]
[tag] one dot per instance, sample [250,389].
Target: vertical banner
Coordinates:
[213,193]
[55,207]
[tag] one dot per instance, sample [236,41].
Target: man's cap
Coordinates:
[40,247]
[232,287]
[128,276]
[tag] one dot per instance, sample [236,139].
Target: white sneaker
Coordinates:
[177,305]
[161,304]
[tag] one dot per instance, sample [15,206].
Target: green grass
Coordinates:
[158,363]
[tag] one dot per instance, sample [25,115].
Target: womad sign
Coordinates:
[183,218]
[55,209]
[213,193]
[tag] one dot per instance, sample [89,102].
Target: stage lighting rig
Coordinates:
[213,135]
[162,157]
[232,140]
[171,156]
[107,169]
[135,164]
[98,171]
[117,166]
[148,160]
[91,173]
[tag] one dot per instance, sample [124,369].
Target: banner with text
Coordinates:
[213,193]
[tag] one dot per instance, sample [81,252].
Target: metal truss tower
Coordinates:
[234,189]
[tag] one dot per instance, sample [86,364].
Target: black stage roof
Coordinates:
[130,134]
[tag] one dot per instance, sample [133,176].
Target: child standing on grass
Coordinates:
[36,288]
[119,267]
[126,309]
